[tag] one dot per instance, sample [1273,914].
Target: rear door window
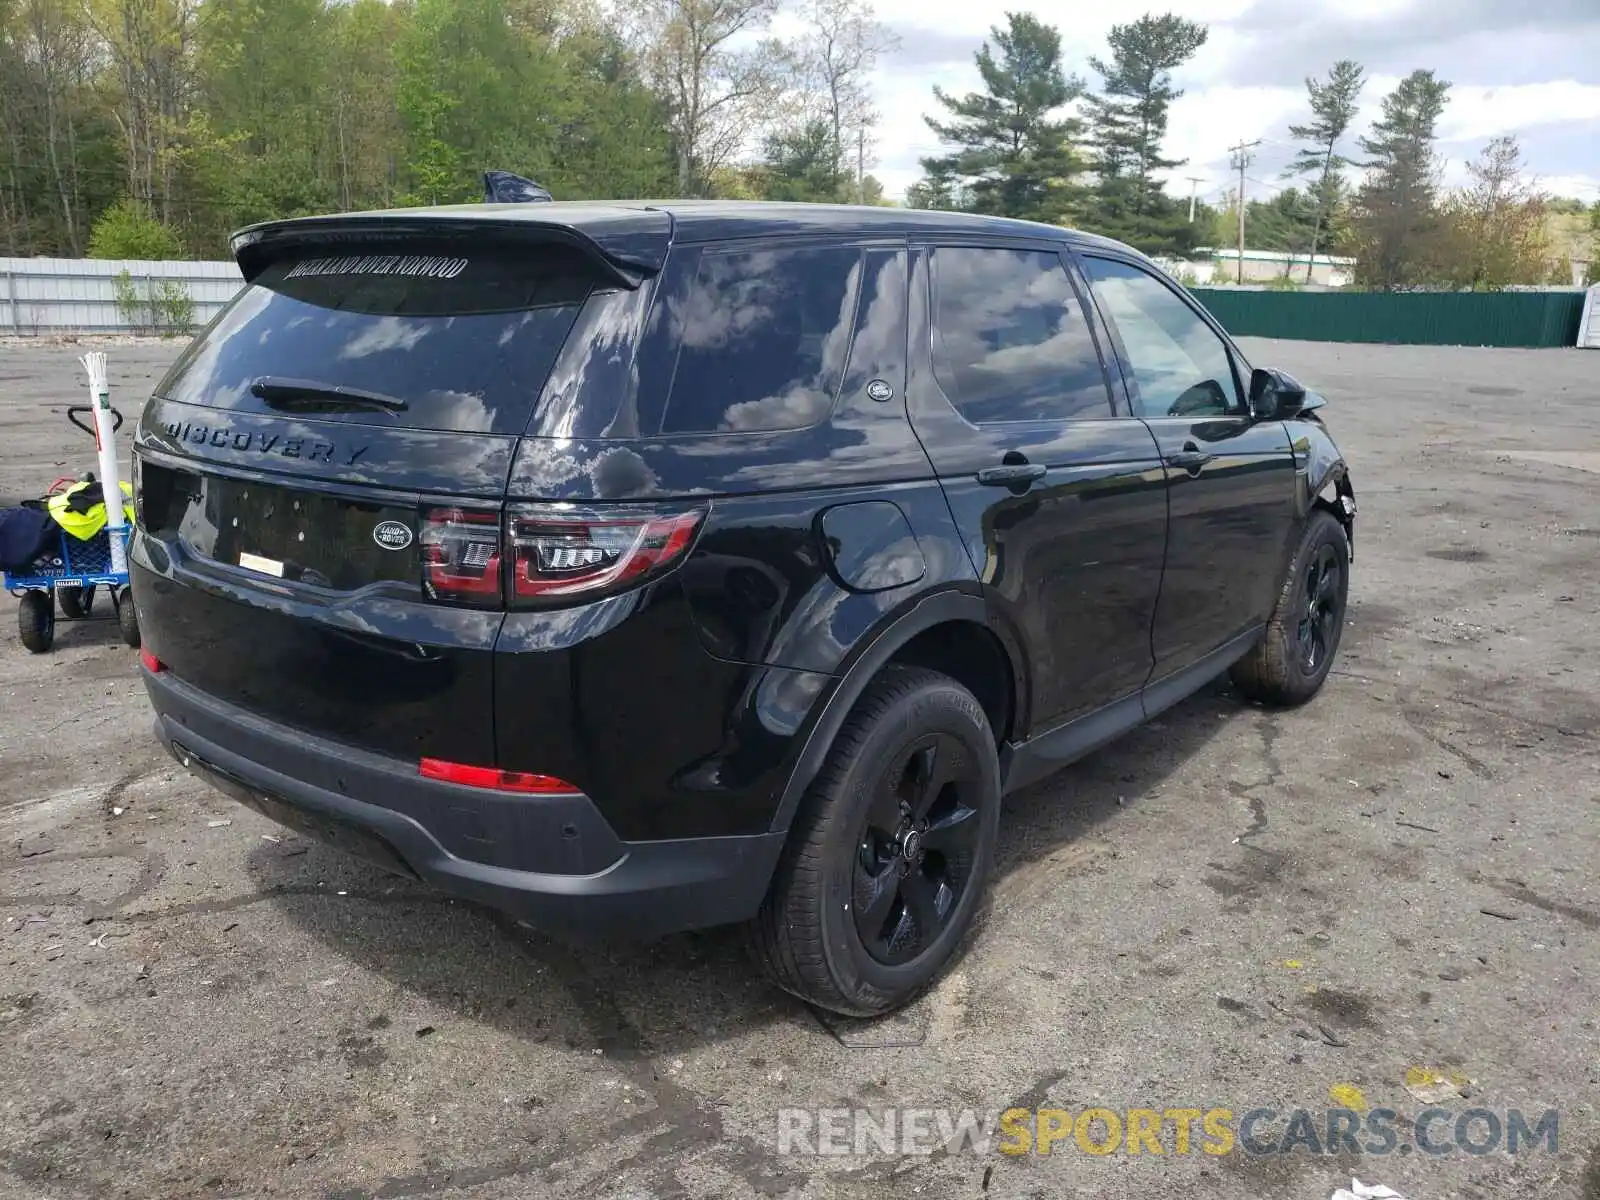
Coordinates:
[1010,340]
[460,340]
[763,339]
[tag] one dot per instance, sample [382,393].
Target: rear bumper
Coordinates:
[552,860]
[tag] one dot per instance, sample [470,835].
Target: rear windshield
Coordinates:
[452,339]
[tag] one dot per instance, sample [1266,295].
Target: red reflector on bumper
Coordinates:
[151,662]
[493,777]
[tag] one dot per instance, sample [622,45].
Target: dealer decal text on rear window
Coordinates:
[426,266]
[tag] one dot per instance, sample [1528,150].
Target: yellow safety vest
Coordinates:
[84,525]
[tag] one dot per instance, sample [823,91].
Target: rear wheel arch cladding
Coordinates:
[945,607]
[980,660]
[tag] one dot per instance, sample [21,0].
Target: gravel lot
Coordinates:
[1231,908]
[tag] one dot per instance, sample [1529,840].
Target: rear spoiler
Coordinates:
[628,244]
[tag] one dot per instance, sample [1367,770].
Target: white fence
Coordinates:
[75,295]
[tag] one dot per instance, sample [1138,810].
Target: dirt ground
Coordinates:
[1232,908]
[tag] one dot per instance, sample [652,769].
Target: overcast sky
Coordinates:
[1528,67]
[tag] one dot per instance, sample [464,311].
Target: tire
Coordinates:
[839,927]
[1293,658]
[75,603]
[36,621]
[127,618]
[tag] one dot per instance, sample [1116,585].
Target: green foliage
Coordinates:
[130,305]
[802,165]
[127,230]
[164,307]
[216,114]
[174,306]
[1495,231]
[479,87]
[938,190]
[1011,144]
[1287,222]
[260,142]
[1128,122]
[1594,253]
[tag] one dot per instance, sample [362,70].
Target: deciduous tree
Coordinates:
[834,60]
[1496,232]
[718,77]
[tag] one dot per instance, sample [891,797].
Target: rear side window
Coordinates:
[763,337]
[459,340]
[1010,340]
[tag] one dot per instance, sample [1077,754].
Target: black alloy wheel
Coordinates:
[917,848]
[1321,611]
[884,870]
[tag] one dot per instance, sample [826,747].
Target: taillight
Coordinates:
[151,663]
[493,777]
[560,552]
[460,551]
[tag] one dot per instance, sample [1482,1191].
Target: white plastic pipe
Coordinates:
[105,441]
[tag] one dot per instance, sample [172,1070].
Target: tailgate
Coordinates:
[299,597]
[320,479]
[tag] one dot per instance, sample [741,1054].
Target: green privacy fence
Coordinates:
[1413,319]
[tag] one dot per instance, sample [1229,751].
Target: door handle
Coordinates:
[1191,458]
[1012,475]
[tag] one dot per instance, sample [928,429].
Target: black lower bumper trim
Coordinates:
[340,834]
[644,888]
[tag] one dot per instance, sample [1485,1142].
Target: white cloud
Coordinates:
[1475,113]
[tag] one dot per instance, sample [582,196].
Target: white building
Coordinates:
[1263,266]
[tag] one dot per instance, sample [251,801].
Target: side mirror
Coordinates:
[1274,395]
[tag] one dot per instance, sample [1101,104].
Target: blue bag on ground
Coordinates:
[25,534]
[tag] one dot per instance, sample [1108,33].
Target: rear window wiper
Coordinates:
[304,393]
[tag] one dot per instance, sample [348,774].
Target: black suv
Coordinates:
[642,566]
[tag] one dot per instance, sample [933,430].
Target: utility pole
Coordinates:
[1193,180]
[1241,160]
[861,164]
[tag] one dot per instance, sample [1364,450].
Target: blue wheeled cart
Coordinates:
[69,576]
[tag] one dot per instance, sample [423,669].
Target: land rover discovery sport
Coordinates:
[641,567]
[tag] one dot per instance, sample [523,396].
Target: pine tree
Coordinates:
[1012,151]
[1395,226]
[801,164]
[938,190]
[1333,108]
[1128,121]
